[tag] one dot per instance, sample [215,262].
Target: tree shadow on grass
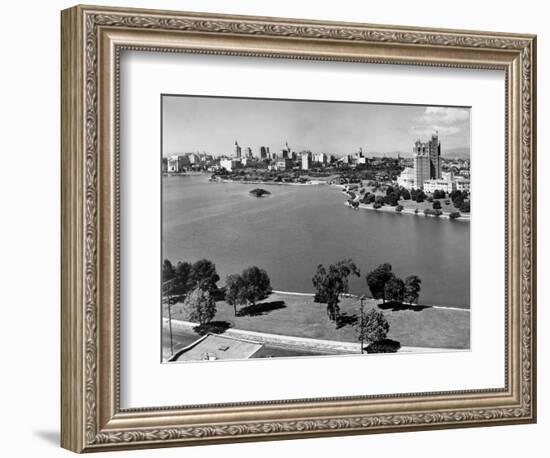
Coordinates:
[346,320]
[214,327]
[262,308]
[398,307]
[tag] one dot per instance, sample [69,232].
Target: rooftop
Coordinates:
[217,347]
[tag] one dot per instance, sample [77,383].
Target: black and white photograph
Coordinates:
[304,228]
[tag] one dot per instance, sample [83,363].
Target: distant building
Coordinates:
[164,165]
[426,164]
[306,160]
[264,151]
[421,167]
[230,164]
[406,179]
[237,149]
[193,158]
[177,163]
[462,184]
[441,185]
[283,164]
[248,151]
[432,148]
[320,158]
[285,152]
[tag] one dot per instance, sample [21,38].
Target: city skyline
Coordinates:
[331,127]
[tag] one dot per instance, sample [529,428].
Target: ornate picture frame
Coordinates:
[92,40]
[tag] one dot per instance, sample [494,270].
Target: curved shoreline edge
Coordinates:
[333,347]
[442,307]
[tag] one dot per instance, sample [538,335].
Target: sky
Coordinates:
[213,124]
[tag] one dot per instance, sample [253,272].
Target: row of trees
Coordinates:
[252,285]
[384,284]
[333,282]
[185,277]
[197,285]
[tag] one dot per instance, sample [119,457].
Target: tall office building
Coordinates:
[427,161]
[421,164]
[306,160]
[263,152]
[237,149]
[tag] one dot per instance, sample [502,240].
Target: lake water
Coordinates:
[296,228]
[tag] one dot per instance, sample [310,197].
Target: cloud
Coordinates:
[448,122]
[426,131]
[445,116]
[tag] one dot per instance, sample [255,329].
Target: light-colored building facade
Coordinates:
[229,164]
[406,179]
[462,184]
[421,167]
[306,160]
[441,185]
[178,163]
[320,158]
[283,164]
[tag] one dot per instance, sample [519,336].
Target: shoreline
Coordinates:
[440,307]
[408,211]
[331,347]
[268,183]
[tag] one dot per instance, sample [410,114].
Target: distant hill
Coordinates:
[460,153]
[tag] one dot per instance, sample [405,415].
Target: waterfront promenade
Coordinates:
[295,315]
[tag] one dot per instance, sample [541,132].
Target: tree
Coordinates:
[204,275]
[256,284]
[465,207]
[199,306]
[399,208]
[372,327]
[234,291]
[436,205]
[168,271]
[377,279]
[329,285]
[394,289]
[406,194]
[412,289]
[454,215]
[183,282]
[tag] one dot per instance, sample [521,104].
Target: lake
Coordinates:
[296,228]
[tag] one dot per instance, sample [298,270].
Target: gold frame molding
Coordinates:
[92,38]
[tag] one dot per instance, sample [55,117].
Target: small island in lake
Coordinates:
[258,192]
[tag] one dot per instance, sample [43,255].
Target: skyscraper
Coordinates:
[263,152]
[426,160]
[237,149]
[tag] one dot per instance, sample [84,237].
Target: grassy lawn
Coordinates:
[411,204]
[300,316]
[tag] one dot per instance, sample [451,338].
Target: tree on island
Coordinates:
[372,327]
[412,289]
[377,279]
[252,285]
[330,284]
[455,215]
[199,306]
[394,289]
[258,192]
